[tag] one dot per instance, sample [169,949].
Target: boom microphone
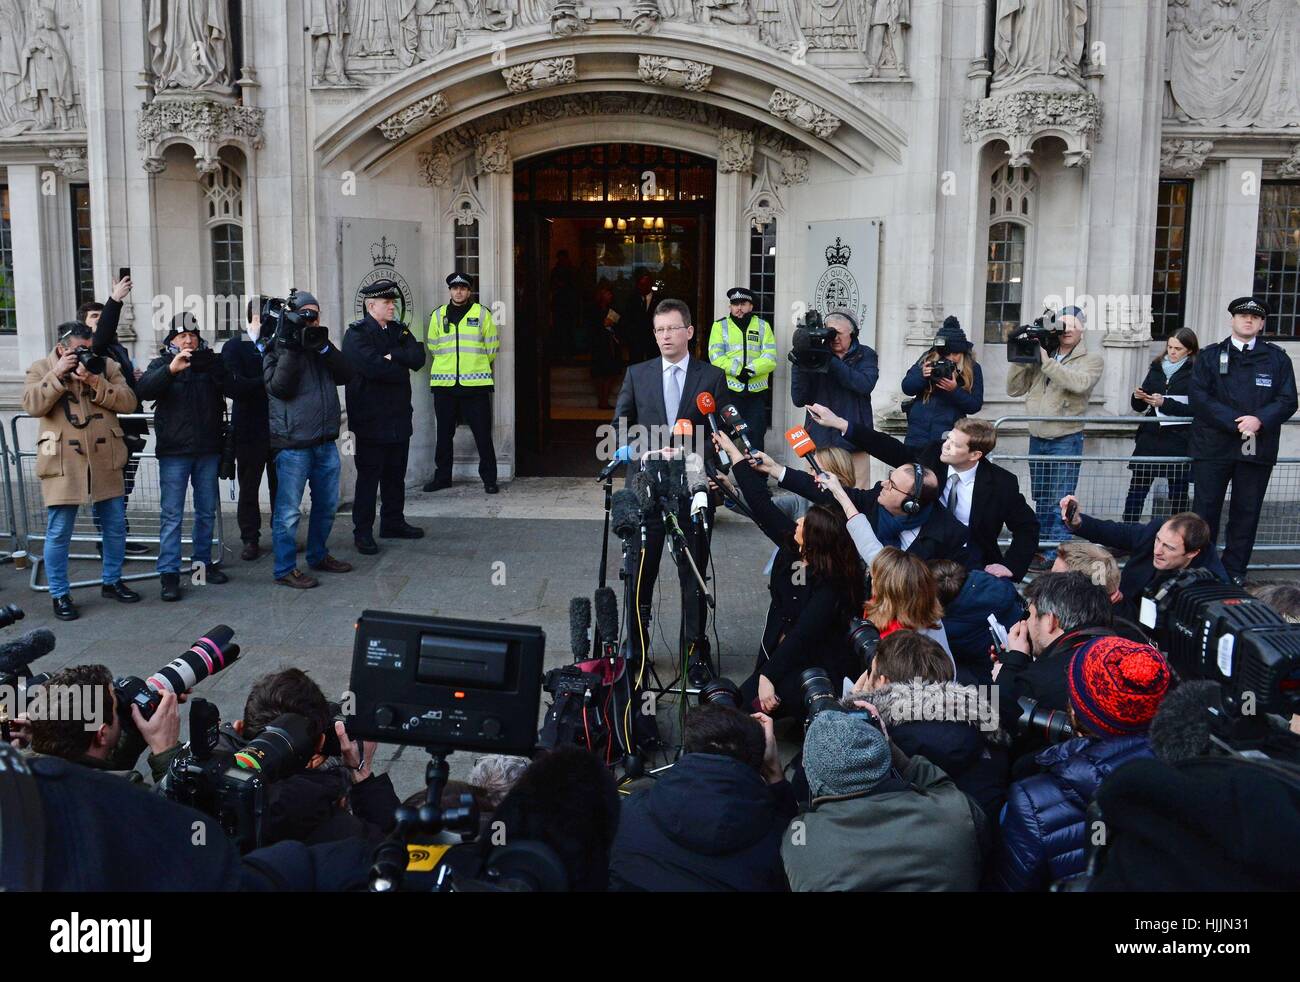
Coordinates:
[801,443]
[607,615]
[739,428]
[580,627]
[18,654]
[621,456]
[625,512]
[707,405]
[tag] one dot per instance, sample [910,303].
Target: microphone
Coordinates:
[580,627]
[607,617]
[707,405]
[801,443]
[625,512]
[683,431]
[731,416]
[641,487]
[1185,722]
[621,456]
[699,498]
[16,655]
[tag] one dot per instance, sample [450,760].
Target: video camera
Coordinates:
[810,348]
[285,323]
[1045,332]
[1219,632]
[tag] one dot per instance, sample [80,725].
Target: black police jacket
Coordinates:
[189,407]
[379,393]
[1259,382]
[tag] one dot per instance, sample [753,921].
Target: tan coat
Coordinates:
[78,465]
[1057,388]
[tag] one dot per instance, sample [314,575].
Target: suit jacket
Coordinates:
[996,500]
[641,401]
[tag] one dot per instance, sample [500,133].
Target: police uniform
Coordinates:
[379,417]
[462,342]
[1232,379]
[745,350]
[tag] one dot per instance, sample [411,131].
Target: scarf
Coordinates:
[890,528]
[1169,367]
[455,311]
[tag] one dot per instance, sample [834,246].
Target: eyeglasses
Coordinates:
[669,330]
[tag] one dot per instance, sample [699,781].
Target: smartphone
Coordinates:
[1071,510]
[124,272]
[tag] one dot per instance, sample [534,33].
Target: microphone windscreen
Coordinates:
[683,427]
[580,626]
[26,648]
[606,614]
[705,403]
[1181,728]
[624,512]
[640,486]
[800,442]
[731,415]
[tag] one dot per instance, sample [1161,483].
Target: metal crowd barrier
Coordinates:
[143,510]
[8,521]
[1103,484]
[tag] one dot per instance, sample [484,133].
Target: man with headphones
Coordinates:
[187,383]
[844,388]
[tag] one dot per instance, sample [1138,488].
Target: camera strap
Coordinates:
[22,825]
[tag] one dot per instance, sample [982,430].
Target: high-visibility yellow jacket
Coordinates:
[732,350]
[462,353]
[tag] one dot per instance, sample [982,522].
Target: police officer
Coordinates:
[744,347]
[383,354]
[1242,391]
[463,344]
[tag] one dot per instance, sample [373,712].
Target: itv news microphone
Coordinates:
[655,395]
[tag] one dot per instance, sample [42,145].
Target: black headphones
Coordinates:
[912,506]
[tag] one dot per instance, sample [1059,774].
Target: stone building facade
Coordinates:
[915,158]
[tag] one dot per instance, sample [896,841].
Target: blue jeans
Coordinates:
[295,470]
[110,516]
[176,473]
[1050,482]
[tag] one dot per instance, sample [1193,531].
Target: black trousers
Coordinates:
[1249,483]
[656,535]
[474,406]
[753,408]
[381,467]
[251,461]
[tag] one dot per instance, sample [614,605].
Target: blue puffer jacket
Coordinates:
[1044,830]
[929,419]
[966,619]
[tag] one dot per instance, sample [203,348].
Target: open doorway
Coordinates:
[602,234]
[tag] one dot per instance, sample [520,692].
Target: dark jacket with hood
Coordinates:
[379,394]
[928,419]
[710,823]
[966,619]
[1044,828]
[189,407]
[302,387]
[107,344]
[249,413]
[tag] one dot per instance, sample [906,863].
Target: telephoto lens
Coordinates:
[818,691]
[285,746]
[10,614]
[864,637]
[207,656]
[721,692]
[1052,724]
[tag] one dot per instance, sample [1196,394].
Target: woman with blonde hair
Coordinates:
[905,596]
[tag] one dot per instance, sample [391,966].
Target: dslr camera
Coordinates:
[811,346]
[1045,332]
[288,325]
[942,368]
[90,361]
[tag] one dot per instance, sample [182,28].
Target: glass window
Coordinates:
[762,269]
[227,277]
[1004,280]
[83,262]
[1169,289]
[467,249]
[616,172]
[8,309]
[1277,257]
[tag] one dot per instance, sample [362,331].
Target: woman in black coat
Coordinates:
[1168,378]
[816,586]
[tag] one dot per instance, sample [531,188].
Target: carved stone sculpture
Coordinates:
[327,25]
[803,114]
[1183,158]
[543,74]
[204,124]
[674,73]
[189,42]
[1020,118]
[885,45]
[1290,168]
[415,117]
[70,161]
[724,11]
[435,168]
[735,150]
[47,91]
[493,152]
[832,24]
[1038,44]
[565,20]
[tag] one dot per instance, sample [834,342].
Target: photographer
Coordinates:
[714,821]
[1060,385]
[1115,688]
[251,421]
[302,388]
[76,398]
[816,586]
[980,494]
[945,384]
[326,801]
[187,384]
[1066,610]
[845,387]
[113,745]
[1157,549]
[879,820]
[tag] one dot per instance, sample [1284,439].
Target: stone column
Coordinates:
[730,237]
[497,273]
[1225,223]
[40,307]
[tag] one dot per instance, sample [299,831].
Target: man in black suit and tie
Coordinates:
[977,492]
[655,394]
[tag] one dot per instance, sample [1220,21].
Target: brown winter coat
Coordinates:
[78,465]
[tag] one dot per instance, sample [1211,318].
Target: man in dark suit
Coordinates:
[1158,549]
[655,394]
[636,329]
[977,492]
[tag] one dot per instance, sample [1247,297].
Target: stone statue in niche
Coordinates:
[189,42]
[1231,63]
[831,24]
[1038,44]
[327,24]
[778,24]
[885,45]
[47,89]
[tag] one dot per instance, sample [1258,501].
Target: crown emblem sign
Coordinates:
[838,254]
[383,254]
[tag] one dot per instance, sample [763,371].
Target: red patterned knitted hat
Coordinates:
[1116,685]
